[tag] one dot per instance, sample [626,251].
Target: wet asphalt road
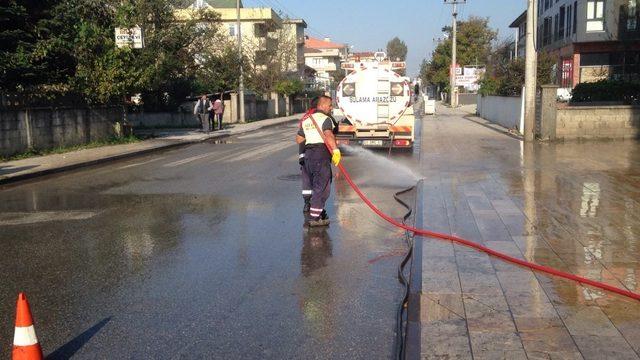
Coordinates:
[200,252]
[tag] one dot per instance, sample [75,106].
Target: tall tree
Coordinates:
[397,51]
[27,64]
[55,48]
[474,39]
[268,59]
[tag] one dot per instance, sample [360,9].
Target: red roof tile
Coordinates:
[313,43]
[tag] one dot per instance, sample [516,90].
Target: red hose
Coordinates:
[471,244]
[485,249]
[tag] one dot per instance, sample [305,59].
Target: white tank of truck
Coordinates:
[376,104]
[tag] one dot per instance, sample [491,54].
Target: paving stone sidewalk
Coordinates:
[573,206]
[18,170]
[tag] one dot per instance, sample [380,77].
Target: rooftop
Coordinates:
[326,43]
[219,4]
[519,20]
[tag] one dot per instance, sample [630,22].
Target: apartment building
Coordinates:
[592,39]
[262,30]
[325,57]
[520,26]
[295,29]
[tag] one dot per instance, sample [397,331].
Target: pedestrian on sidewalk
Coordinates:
[313,132]
[202,111]
[218,112]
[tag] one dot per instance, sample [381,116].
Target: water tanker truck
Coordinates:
[376,104]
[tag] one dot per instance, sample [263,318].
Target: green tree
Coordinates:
[397,50]
[29,63]
[218,70]
[474,39]
[505,77]
[67,47]
[288,87]
[268,59]
[161,71]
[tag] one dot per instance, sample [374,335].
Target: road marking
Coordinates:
[261,152]
[140,163]
[24,218]
[188,160]
[257,134]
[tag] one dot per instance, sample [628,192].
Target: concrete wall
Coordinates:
[597,122]
[163,119]
[503,110]
[47,128]
[467,99]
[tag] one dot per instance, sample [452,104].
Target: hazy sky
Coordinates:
[369,24]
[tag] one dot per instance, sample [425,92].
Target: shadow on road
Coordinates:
[69,349]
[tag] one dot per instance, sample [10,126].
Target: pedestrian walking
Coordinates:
[218,112]
[314,130]
[202,110]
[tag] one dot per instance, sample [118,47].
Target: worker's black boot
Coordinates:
[307,205]
[318,222]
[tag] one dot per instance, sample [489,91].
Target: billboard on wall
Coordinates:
[468,77]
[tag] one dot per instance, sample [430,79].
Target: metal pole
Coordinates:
[452,82]
[530,74]
[241,80]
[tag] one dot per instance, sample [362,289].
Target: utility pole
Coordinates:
[241,80]
[452,79]
[531,66]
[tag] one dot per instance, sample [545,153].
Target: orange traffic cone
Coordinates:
[25,342]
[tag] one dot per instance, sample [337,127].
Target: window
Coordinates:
[540,8]
[556,30]
[595,15]
[546,31]
[569,20]
[546,4]
[632,15]
[575,16]
[260,30]
[232,30]
[561,18]
[594,59]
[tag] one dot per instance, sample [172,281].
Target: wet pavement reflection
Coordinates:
[573,206]
[200,252]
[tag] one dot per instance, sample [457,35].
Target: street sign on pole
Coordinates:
[129,37]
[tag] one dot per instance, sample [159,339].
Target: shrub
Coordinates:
[607,90]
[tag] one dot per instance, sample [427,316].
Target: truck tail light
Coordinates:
[401,143]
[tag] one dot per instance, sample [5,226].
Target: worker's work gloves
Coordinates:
[336,156]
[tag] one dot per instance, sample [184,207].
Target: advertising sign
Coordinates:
[129,37]
[469,78]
